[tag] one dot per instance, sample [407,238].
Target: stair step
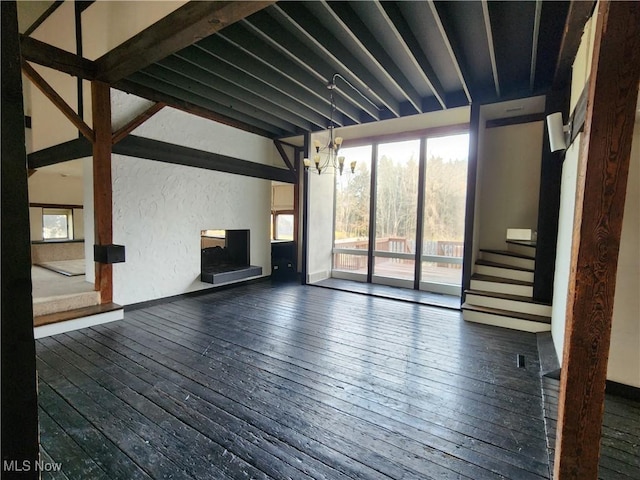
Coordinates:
[521,246]
[486,267]
[507,302]
[511,259]
[506,319]
[489,263]
[490,283]
[508,253]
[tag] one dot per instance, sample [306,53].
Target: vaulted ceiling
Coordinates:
[270,70]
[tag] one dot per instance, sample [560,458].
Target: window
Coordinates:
[282,225]
[57,223]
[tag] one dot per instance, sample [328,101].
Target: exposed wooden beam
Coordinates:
[139,147]
[53,57]
[603,169]
[354,27]
[492,50]
[308,69]
[57,100]
[136,122]
[298,17]
[534,44]
[304,268]
[188,107]
[71,150]
[285,158]
[447,42]
[579,12]
[179,29]
[102,188]
[40,20]
[408,42]
[19,438]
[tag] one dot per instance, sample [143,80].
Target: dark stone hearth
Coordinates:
[220,264]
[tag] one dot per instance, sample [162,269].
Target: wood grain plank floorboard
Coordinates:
[273,381]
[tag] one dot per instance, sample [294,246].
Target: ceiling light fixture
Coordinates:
[326,157]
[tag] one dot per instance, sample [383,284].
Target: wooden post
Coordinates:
[305,212]
[19,397]
[602,179]
[101,107]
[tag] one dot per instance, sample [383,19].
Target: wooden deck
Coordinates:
[271,381]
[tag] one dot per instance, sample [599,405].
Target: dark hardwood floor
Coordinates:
[269,381]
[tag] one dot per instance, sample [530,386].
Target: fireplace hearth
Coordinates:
[225,256]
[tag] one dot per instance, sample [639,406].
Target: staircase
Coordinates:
[501,292]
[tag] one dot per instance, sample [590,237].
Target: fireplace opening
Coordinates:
[225,256]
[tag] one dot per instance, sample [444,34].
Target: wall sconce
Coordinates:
[557,132]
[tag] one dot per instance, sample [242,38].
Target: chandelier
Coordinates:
[326,156]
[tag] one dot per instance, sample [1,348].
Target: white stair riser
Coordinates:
[508,260]
[521,249]
[505,273]
[505,322]
[507,288]
[510,305]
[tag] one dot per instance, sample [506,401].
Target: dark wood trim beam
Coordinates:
[55,205]
[422,171]
[102,188]
[188,107]
[136,122]
[603,170]
[19,438]
[470,207]
[579,12]
[40,20]
[140,147]
[179,29]
[285,158]
[71,150]
[57,100]
[412,48]
[534,44]
[503,122]
[452,53]
[492,50]
[304,268]
[578,116]
[47,55]
[372,212]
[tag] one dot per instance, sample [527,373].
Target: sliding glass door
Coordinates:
[418,200]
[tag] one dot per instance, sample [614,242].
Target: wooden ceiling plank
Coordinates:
[53,57]
[308,62]
[407,40]
[57,100]
[239,78]
[579,12]
[136,122]
[492,51]
[268,104]
[450,50]
[298,17]
[314,99]
[179,29]
[603,169]
[157,90]
[534,45]
[176,82]
[353,26]
[142,91]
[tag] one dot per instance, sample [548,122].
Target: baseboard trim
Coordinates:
[622,390]
[195,293]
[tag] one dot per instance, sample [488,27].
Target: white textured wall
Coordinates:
[159,209]
[320,246]
[624,356]
[564,243]
[509,181]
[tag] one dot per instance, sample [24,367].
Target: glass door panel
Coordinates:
[444,210]
[351,233]
[396,211]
